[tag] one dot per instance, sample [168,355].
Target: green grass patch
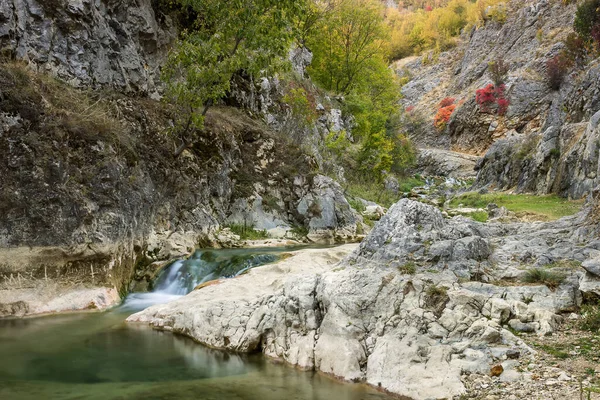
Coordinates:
[544,276]
[590,317]
[551,207]
[556,351]
[410,268]
[479,216]
[247,232]
[299,231]
[376,192]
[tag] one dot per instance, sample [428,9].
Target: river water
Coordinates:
[98,356]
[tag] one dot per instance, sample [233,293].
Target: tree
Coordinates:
[349,40]
[498,71]
[586,18]
[225,38]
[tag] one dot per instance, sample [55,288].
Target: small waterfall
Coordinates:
[182,276]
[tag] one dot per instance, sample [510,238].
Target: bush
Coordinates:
[575,50]
[556,69]
[492,96]
[247,232]
[586,18]
[498,71]
[448,101]
[443,116]
[543,276]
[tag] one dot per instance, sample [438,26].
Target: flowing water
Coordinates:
[98,356]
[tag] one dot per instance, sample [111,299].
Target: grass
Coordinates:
[479,216]
[590,317]
[247,232]
[374,191]
[544,276]
[299,231]
[410,268]
[551,207]
[436,291]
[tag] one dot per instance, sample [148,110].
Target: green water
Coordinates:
[98,356]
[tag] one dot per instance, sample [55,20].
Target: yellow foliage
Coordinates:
[414,30]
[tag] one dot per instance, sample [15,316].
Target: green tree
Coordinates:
[225,38]
[348,40]
[586,18]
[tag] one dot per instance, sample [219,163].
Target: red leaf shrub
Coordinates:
[443,116]
[556,69]
[428,8]
[502,106]
[486,97]
[490,96]
[446,102]
[410,109]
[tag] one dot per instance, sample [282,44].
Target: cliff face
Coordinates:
[90,190]
[542,144]
[89,43]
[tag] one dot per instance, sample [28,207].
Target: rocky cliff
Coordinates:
[543,143]
[120,44]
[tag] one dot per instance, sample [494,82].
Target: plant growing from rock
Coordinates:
[587,18]
[545,277]
[575,49]
[445,110]
[590,320]
[492,99]
[498,71]
[556,69]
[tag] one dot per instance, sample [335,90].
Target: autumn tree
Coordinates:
[225,38]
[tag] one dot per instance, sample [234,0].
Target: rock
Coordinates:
[592,266]
[496,370]
[88,43]
[436,162]
[513,354]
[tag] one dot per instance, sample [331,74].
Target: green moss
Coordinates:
[551,207]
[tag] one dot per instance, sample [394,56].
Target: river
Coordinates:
[99,356]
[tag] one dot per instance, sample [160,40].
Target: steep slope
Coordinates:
[537,144]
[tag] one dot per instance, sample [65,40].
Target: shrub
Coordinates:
[574,49]
[556,69]
[502,106]
[586,18]
[596,35]
[443,116]
[485,97]
[491,96]
[498,71]
[543,276]
[448,101]
[247,232]
[301,104]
